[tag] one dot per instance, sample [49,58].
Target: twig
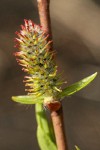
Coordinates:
[56,115]
[44,14]
[57,119]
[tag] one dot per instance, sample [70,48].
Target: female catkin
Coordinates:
[37,61]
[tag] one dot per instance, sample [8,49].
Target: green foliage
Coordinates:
[28,99]
[32,99]
[45,135]
[76,147]
[77,86]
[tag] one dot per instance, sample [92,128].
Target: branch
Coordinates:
[43,6]
[44,14]
[57,119]
[56,114]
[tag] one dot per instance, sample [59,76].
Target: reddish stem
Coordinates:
[43,6]
[44,14]
[57,119]
[56,115]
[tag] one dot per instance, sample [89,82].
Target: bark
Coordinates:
[58,124]
[55,109]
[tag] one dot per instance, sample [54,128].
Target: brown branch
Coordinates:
[55,107]
[57,119]
[43,7]
[44,14]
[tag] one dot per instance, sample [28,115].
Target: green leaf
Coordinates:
[28,99]
[45,136]
[77,148]
[77,86]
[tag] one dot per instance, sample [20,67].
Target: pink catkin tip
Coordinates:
[33,24]
[23,28]
[25,70]
[15,40]
[16,46]
[17,54]
[25,20]
[26,77]
[17,32]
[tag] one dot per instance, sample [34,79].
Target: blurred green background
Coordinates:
[76,34]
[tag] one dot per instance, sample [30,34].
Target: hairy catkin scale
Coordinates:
[37,60]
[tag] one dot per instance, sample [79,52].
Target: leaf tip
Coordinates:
[76,147]
[95,74]
[13,98]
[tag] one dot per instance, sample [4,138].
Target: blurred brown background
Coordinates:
[76,34]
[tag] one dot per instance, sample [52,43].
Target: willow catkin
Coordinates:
[37,60]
